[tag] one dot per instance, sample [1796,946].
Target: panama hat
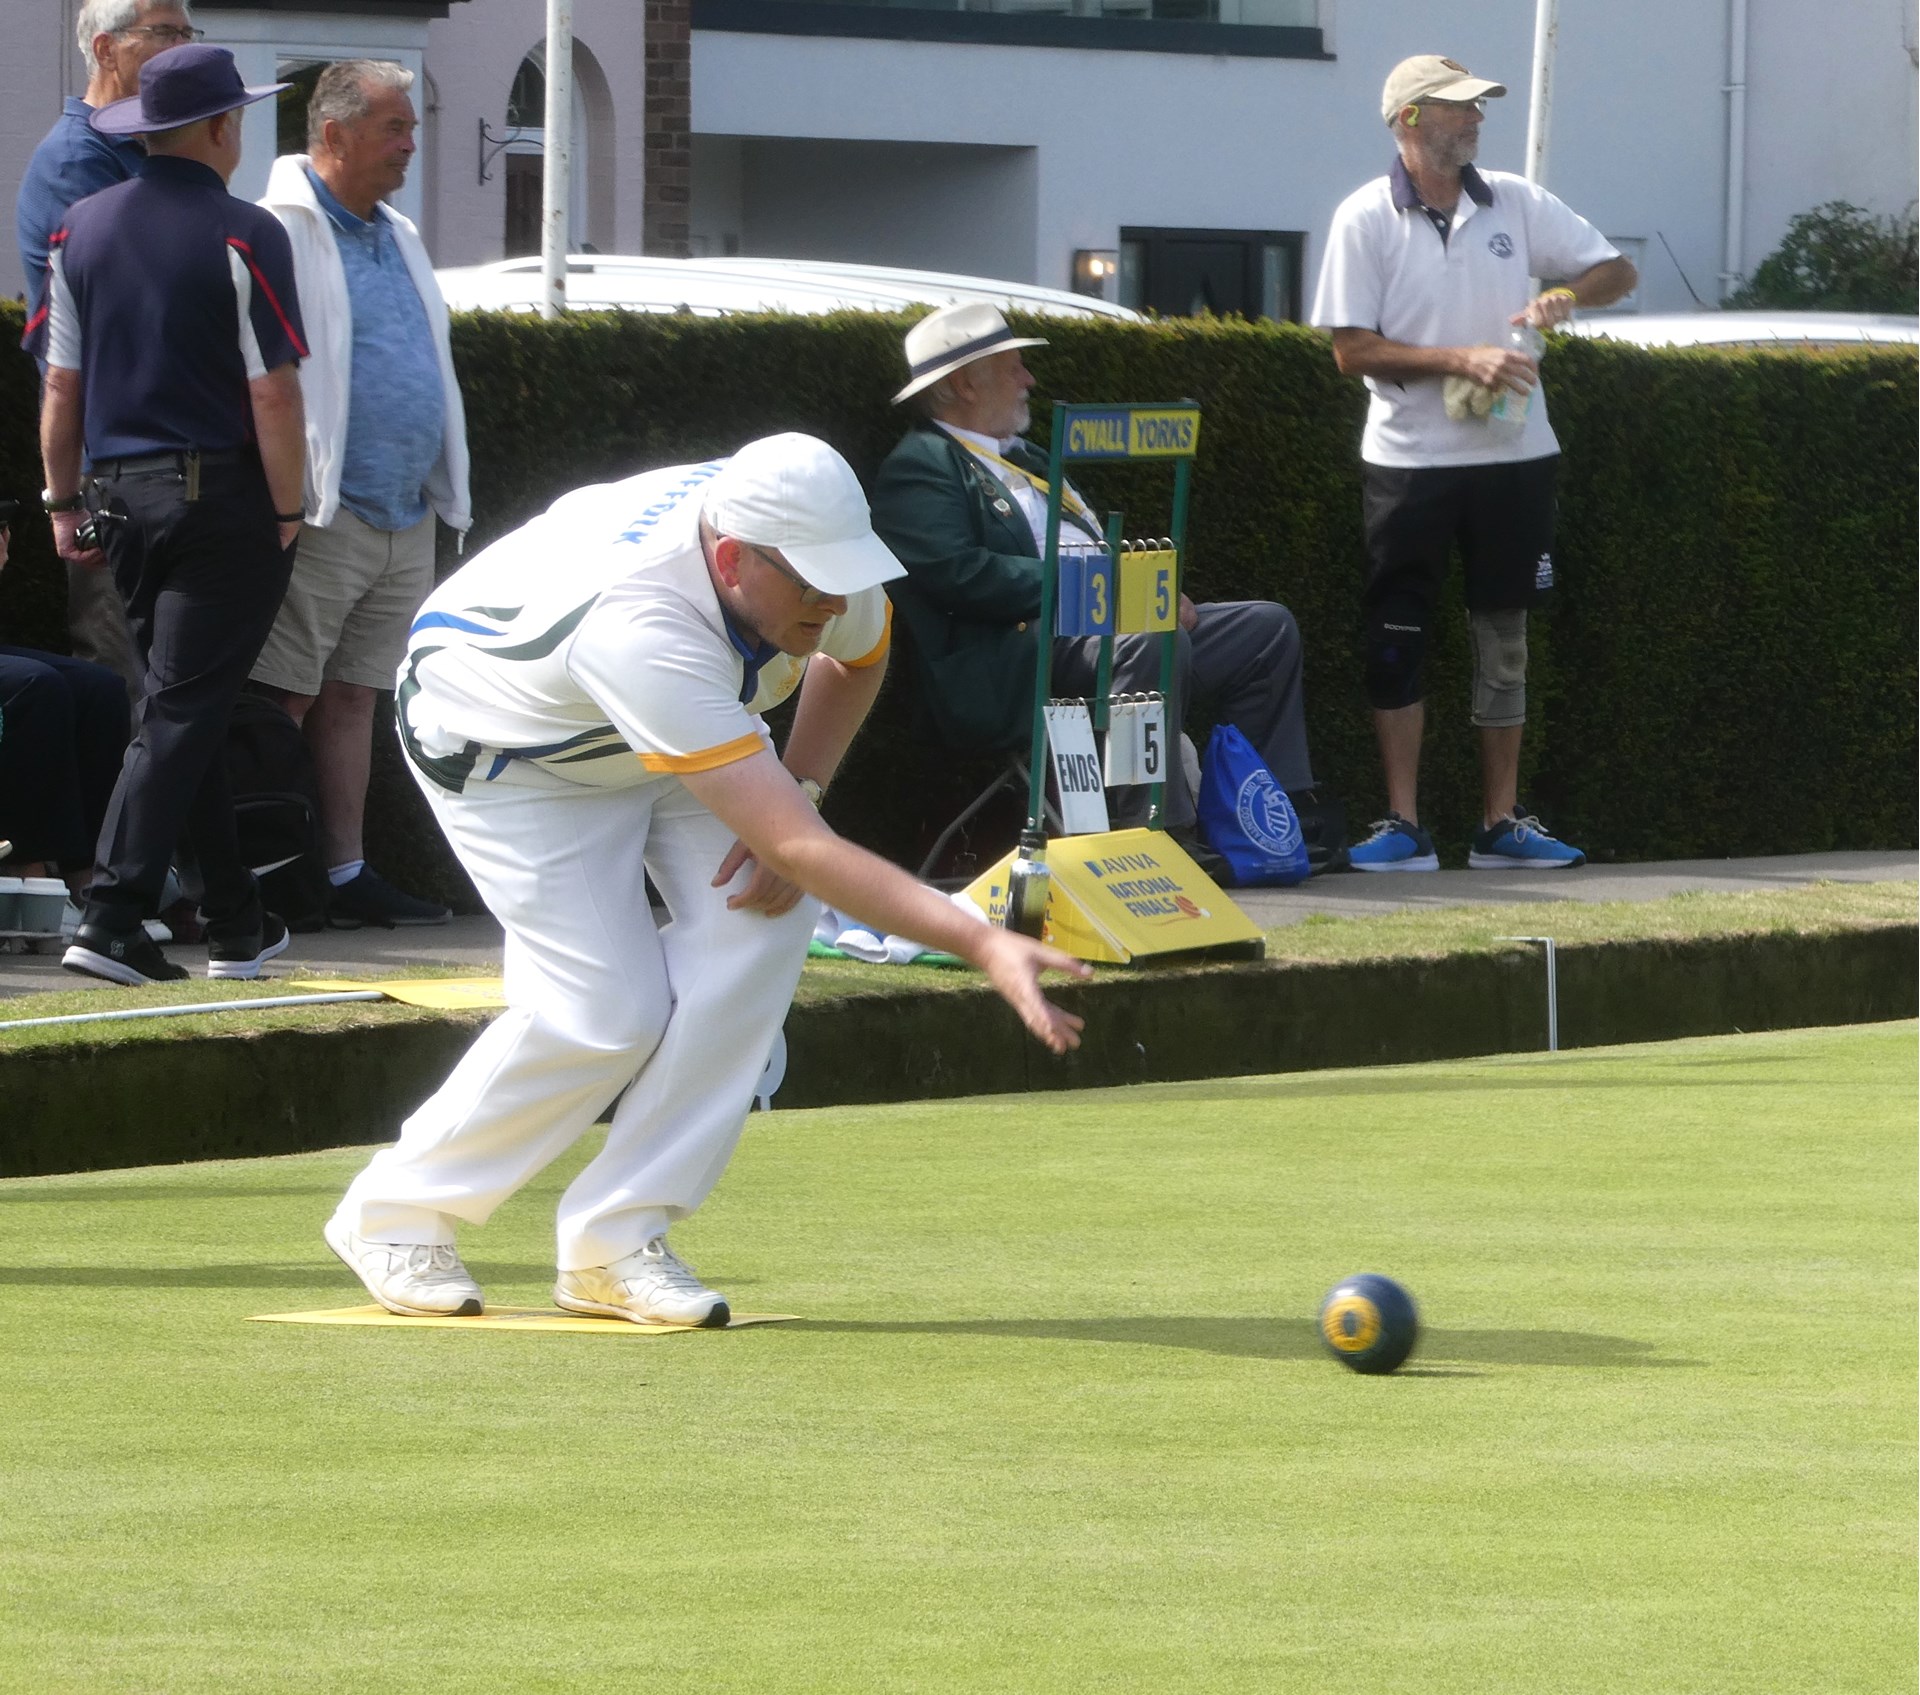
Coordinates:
[945,340]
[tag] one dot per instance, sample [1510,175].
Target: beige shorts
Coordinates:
[354,592]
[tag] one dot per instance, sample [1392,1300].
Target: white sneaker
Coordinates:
[653,1286]
[414,1279]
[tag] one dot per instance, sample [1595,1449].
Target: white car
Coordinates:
[1751,329]
[711,288]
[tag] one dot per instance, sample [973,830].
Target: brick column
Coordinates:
[669,123]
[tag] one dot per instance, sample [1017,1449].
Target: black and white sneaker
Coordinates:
[129,957]
[241,955]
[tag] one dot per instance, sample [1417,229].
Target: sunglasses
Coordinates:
[809,595]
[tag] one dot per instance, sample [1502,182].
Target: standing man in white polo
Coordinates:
[386,452]
[1427,289]
[577,703]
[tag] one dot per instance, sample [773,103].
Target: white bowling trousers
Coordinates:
[598,997]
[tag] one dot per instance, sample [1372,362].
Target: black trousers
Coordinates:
[63,730]
[1240,663]
[202,580]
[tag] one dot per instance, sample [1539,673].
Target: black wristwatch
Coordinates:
[66,503]
[289,517]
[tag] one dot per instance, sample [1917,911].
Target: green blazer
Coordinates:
[971,594]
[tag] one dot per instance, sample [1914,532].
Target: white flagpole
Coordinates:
[1546,33]
[556,179]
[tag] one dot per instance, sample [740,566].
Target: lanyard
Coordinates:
[1076,508]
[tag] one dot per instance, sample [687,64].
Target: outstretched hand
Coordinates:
[1013,964]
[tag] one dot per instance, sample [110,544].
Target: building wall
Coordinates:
[474,55]
[1005,160]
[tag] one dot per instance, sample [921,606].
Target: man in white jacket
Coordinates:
[386,452]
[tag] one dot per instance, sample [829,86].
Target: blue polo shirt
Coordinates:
[168,295]
[396,405]
[73,161]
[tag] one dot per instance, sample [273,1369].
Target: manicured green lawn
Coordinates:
[1057,1419]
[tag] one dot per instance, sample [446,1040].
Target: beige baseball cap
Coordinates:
[1428,76]
[794,494]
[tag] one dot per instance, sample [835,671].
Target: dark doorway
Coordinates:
[1183,273]
[525,172]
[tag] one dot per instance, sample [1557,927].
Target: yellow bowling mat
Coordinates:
[513,1318]
[441,994]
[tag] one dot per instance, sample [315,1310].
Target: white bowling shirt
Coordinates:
[588,647]
[1388,270]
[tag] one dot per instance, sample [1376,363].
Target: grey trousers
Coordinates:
[1240,664]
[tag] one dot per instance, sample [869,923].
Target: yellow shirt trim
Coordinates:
[707,759]
[878,651]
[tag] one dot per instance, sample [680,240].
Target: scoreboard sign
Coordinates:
[1130,432]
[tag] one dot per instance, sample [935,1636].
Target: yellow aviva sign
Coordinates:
[1122,894]
[1131,432]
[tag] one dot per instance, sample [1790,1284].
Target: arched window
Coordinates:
[526,123]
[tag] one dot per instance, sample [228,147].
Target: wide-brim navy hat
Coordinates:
[181,86]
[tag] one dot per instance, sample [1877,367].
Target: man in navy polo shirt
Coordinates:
[172,338]
[74,160]
[1427,288]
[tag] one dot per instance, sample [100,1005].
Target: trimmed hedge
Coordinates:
[1730,668]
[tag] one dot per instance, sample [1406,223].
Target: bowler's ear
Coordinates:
[726,560]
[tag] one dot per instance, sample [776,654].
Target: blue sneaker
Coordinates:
[1395,845]
[1521,843]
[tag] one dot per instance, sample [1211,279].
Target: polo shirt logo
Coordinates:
[1501,245]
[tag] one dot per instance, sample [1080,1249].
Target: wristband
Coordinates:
[62,503]
[289,517]
[1563,289]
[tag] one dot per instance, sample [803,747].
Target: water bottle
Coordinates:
[1508,414]
[1029,884]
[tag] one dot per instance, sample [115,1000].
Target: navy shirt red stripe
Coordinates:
[155,272]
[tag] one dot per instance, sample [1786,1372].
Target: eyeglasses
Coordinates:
[174,35]
[809,595]
[1479,106]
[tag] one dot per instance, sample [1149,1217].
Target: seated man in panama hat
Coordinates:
[962,500]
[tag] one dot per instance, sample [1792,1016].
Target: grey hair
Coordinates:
[935,398]
[110,17]
[345,92]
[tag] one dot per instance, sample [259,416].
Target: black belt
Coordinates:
[175,461]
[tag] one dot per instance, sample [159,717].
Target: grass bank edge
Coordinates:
[1421,933]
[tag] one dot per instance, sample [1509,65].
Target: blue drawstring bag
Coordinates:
[1245,814]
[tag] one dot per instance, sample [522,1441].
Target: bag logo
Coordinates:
[1543,572]
[1501,245]
[1266,816]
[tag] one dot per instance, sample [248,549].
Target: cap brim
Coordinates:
[1467,88]
[845,567]
[927,379]
[123,117]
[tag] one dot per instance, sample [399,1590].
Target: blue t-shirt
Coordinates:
[71,162]
[396,407]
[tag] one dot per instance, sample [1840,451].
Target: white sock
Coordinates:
[339,874]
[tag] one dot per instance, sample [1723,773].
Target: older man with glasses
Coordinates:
[1428,288]
[74,160]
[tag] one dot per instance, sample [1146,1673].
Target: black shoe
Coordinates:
[370,899]
[241,953]
[120,956]
[1213,864]
[1323,822]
